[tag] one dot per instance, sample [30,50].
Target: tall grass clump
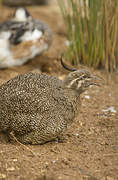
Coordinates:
[92,32]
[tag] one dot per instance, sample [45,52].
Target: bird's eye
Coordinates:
[83,77]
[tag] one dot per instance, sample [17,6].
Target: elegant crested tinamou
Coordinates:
[38,108]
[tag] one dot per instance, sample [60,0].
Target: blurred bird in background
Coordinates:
[22,38]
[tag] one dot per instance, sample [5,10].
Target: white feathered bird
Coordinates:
[22,38]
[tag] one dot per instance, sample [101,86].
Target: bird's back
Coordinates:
[29,87]
[28,101]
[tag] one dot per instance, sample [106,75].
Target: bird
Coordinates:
[22,38]
[38,108]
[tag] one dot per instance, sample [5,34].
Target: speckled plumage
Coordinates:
[37,107]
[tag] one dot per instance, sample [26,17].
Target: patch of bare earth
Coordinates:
[90,151]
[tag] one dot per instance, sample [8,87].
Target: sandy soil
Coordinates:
[90,149]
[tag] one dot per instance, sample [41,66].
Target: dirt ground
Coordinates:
[90,149]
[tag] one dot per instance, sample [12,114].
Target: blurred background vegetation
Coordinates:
[92,32]
[1,2]
[14,3]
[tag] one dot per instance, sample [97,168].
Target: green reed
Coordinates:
[92,30]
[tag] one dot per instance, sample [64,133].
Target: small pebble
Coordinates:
[87,97]
[110,109]
[54,161]
[10,169]
[3,176]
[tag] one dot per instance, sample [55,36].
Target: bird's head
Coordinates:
[80,80]
[21,14]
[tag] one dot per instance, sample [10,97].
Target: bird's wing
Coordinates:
[16,35]
[15,29]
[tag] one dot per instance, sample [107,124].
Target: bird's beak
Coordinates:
[97,81]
